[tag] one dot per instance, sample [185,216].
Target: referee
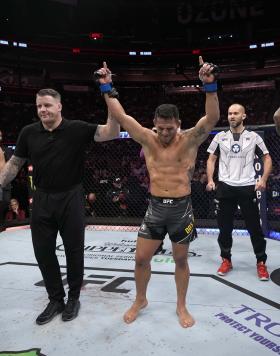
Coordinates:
[56,149]
[236,149]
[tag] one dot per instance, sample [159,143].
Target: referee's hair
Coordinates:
[51,92]
[242,106]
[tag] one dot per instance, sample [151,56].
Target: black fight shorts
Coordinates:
[169,215]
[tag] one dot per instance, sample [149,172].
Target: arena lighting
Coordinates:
[267,44]
[222,36]
[141,53]
[262,45]
[196,51]
[96,36]
[76,50]
[14,43]
[145,53]
[20,44]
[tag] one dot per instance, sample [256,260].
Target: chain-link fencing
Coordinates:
[117,184]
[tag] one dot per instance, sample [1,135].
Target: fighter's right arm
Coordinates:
[276,118]
[210,171]
[135,130]
[10,170]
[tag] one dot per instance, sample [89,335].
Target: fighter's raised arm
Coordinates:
[109,131]
[10,170]
[135,130]
[208,75]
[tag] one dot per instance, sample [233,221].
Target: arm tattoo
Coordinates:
[190,173]
[11,169]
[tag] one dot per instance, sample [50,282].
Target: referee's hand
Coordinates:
[210,186]
[260,185]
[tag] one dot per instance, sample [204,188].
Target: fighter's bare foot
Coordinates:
[185,318]
[133,311]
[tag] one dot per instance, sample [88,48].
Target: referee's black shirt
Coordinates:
[57,156]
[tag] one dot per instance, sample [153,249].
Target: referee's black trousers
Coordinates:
[228,198]
[64,213]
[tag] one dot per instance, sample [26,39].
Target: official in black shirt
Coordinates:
[56,149]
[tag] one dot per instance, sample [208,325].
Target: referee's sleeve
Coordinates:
[21,149]
[261,148]
[214,146]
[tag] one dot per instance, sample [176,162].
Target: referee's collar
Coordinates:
[240,133]
[60,127]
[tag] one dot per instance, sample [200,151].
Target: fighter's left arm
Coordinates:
[208,76]
[206,124]
[267,168]
[109,131]
[276,118]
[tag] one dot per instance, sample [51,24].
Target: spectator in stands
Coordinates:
[90,204]
[5,154]
[236,149]
[117,198]
[137,199]
[21,191]
[170,158]
[276,118]
[137,168]
[56,149]
[15,213]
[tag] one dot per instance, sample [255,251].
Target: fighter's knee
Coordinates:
[141,261]
[180,262]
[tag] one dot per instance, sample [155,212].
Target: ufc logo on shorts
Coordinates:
[167,201]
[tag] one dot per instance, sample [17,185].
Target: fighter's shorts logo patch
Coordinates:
[143,227]
[167,201]
[189,228]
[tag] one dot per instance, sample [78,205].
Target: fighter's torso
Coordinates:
[171,167]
